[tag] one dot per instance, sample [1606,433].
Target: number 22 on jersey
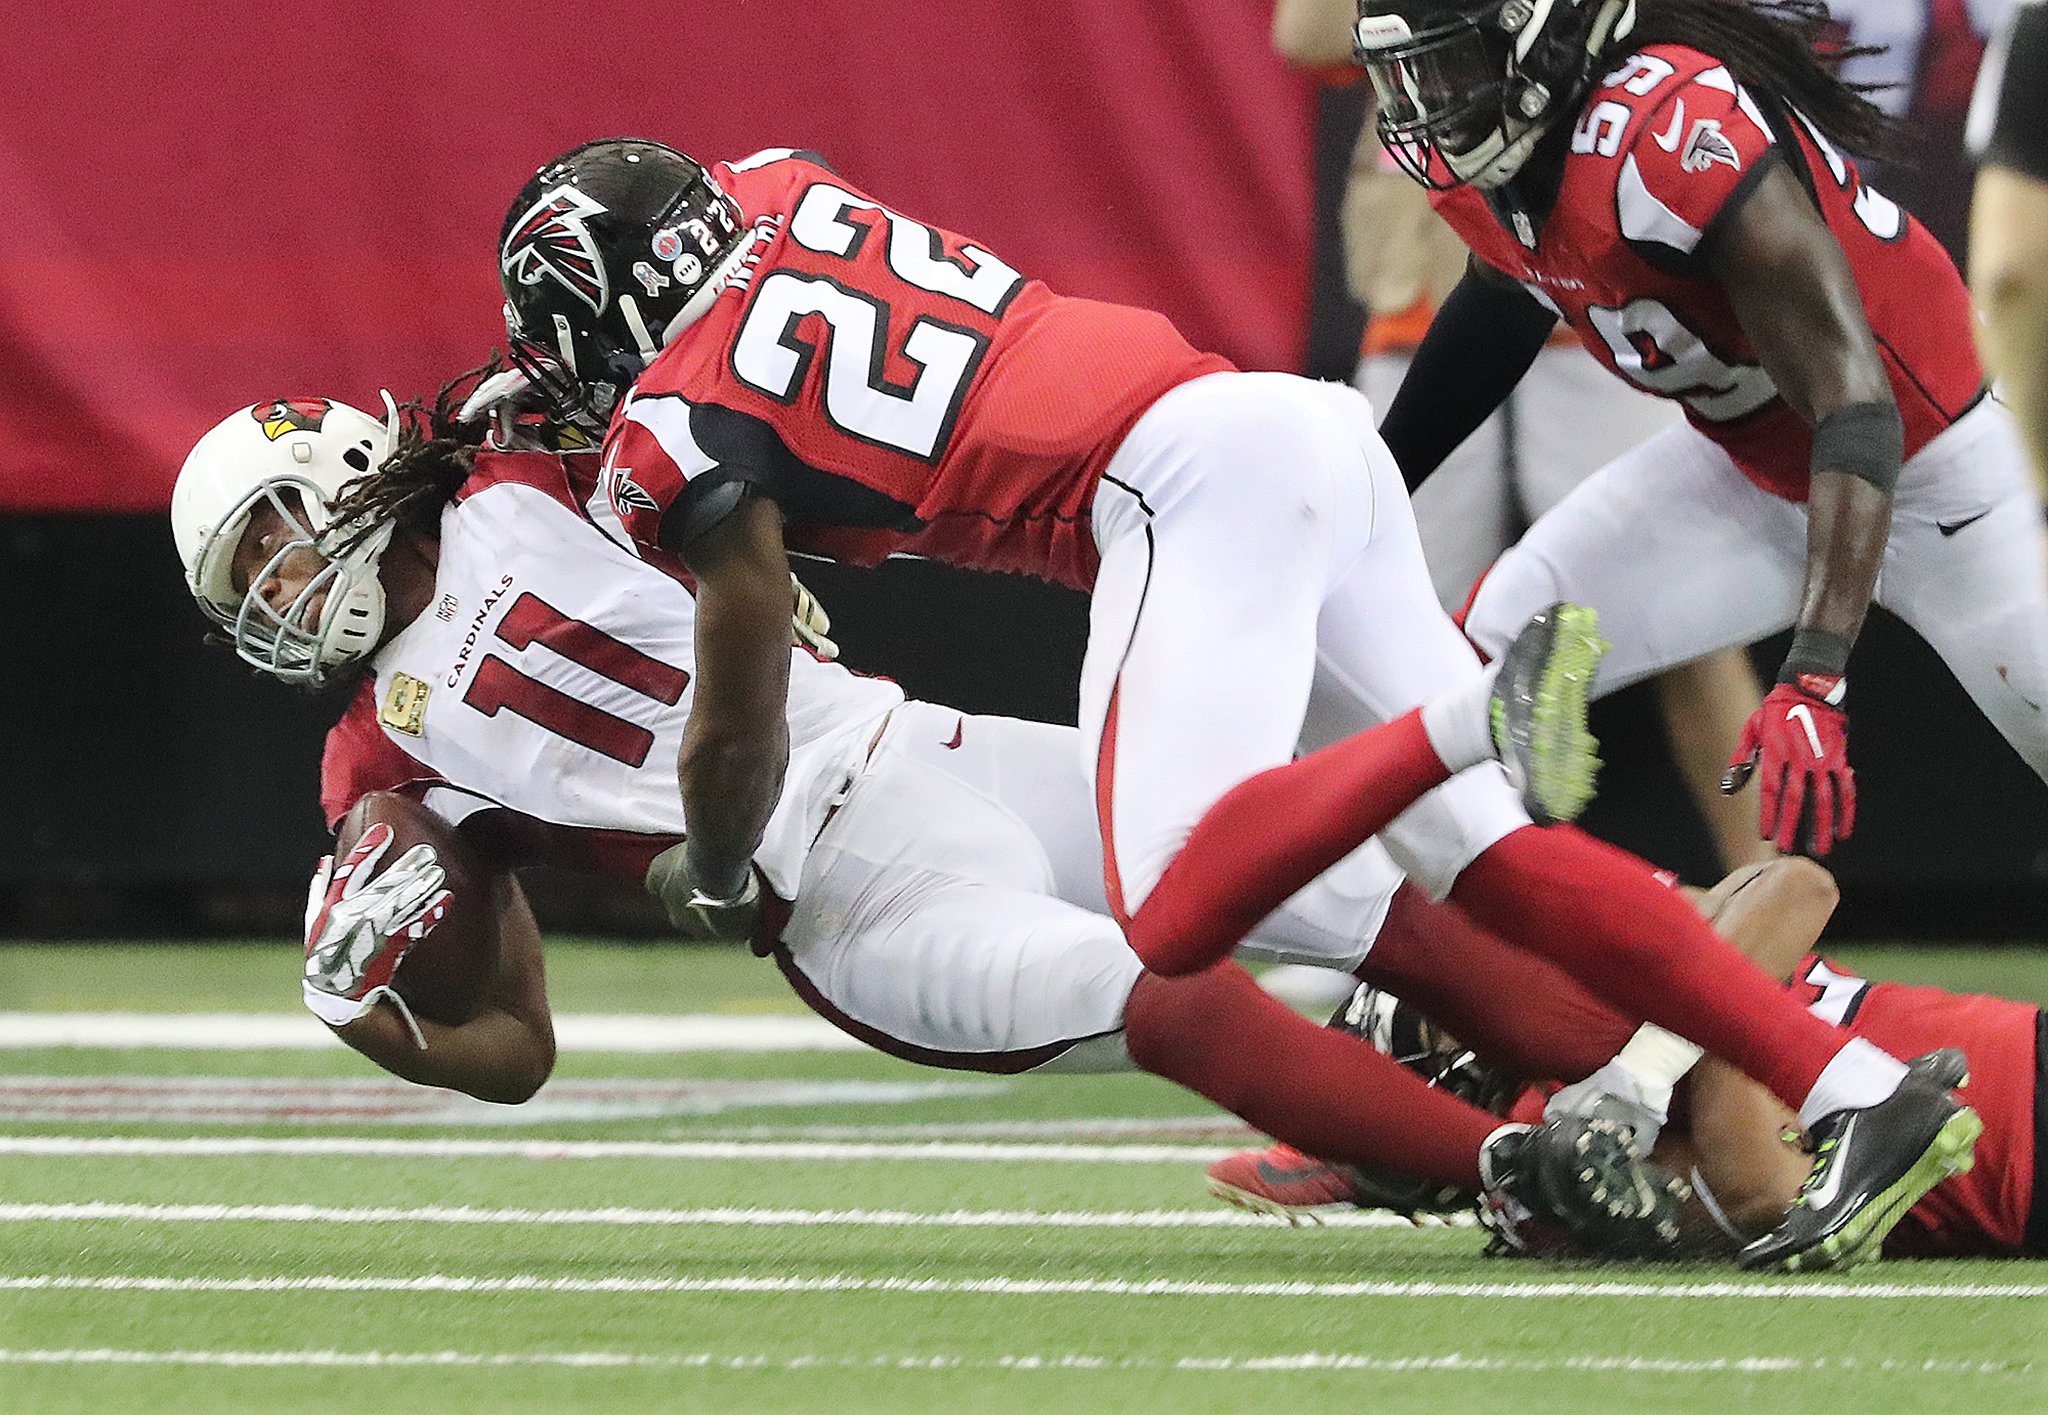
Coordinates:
[916,416]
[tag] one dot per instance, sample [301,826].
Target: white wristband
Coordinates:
[338,1011]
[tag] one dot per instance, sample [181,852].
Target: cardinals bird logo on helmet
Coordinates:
[283,415]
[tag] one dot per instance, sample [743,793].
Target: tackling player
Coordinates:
[1671,179]
[1742,1149]
[812,369]
[527,677]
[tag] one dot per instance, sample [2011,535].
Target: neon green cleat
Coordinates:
[1538,712]
[1870,1166]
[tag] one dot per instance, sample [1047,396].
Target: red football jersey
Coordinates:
[894,387]
[1665,145]
[1984,1212]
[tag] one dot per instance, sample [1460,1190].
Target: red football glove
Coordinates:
[1799,746]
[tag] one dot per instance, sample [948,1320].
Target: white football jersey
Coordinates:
[552,676]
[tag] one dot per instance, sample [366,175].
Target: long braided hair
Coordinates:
[429,463]
[1783,49]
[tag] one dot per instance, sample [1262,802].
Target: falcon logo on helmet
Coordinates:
[552,239]
[285,415]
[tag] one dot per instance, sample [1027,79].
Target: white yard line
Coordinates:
[1822,1290]
[97,1212]
[1450,1363]
[300,1031]
[281,1100]
[402,1147]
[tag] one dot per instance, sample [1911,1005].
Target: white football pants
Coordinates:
[1261,591]
[952,909]
[1682,555]
[1566,419]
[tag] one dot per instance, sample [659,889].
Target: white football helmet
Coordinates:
[297,454]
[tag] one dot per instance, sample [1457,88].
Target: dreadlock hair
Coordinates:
[430,461]
[1787,50]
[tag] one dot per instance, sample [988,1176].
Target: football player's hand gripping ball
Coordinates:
[1797,745]
[361,920]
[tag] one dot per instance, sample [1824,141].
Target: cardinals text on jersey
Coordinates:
[1665,146]
[892,386]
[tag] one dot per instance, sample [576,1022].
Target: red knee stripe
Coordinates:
[1464,611]
[1105,797]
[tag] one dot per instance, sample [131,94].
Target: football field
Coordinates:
[208,1205]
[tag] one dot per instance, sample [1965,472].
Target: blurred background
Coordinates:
[289,200]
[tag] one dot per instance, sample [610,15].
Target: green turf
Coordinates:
[893,1350]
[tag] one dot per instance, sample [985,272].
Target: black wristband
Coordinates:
[1817,652]
[1866,440]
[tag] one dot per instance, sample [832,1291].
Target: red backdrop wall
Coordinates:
[203,211]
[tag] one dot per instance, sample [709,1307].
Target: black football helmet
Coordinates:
[1467,88]
[1397,1030]
[603,253]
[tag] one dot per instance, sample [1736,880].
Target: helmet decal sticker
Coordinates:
[284,415]
[650,279]
[553,239]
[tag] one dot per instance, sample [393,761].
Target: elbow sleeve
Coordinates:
[1482,341]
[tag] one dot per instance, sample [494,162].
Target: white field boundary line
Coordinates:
[407,1147]
[1453,1363]
[99,1212]
[837,1283]
[287,1031]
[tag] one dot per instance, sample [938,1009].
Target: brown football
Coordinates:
[443,976]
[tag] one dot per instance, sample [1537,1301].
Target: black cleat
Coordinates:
[1870,1166]
[1538,712]
[1579,1176]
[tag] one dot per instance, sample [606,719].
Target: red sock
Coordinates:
[1270,835]
[1322,1091]
[1521,1014]
[1597,913]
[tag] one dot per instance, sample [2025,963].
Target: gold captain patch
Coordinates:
[405,705]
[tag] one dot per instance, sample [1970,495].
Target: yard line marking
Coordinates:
[1219,1126]
[446,1283]
[301,1031]
[619,1217]
[274,1100]
[1451,1362]
[405,1147]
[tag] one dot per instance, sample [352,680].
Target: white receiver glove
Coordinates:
[809,622]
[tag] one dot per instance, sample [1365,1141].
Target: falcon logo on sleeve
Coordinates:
[1707,146]
[553,240]
[627,495]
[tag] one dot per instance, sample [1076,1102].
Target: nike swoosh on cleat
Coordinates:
[1826,1191]
[1949,528]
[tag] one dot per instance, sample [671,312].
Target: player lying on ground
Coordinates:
[812,369]
[1741,1149]
[1668,177]
[527,678]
